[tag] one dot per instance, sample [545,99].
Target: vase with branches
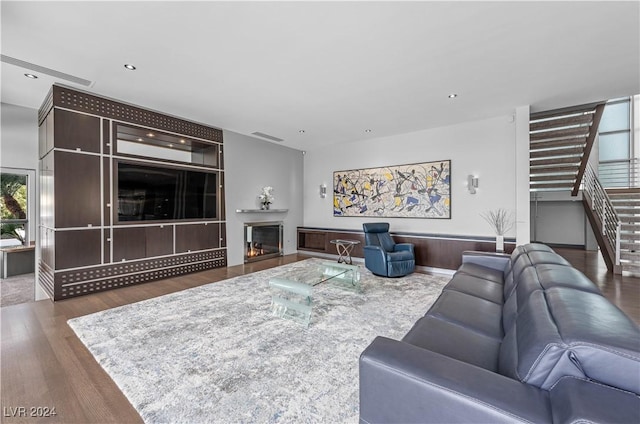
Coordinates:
[501,221]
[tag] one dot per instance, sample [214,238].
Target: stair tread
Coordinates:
[557,177]
[552,184]
[620,202]
[543,170]
[561,121]
[556,161]
[563,142]
[561,133]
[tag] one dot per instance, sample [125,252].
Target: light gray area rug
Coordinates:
[214,353]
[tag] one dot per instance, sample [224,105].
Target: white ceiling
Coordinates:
[333,69]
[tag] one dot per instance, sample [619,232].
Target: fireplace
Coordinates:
[262,240]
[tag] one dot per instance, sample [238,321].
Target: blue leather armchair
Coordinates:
[383,256]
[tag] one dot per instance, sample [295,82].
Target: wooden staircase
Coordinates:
[560,143]
[626,203]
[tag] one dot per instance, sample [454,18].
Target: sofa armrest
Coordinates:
[375,259]
[574,400]
[374,252]
[493,260]
[400,382]
[403,246]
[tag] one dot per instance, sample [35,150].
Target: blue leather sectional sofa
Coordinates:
[520,338]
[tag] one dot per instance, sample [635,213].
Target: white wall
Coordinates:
[251,164]
[523,211]
[19,149]
[485,148]
[559,218]
[19,137]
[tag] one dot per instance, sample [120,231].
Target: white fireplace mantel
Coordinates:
[262,210]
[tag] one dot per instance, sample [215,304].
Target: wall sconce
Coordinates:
[472,184]
[323,191]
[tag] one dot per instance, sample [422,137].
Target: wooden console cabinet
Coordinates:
[84,248]
[431,250]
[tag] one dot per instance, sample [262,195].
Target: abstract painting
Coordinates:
[419,190]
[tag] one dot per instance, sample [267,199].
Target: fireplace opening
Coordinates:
[262,240]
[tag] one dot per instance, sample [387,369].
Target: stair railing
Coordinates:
[623,173]
[604,210]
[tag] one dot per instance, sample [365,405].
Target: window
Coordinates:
[13,209]
[617,165]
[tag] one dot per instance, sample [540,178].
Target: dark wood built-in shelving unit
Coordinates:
[84,248]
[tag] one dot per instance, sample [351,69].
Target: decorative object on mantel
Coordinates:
[501,221]
[266,197]
[419,190]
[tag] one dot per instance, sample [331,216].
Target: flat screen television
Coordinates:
[155,193]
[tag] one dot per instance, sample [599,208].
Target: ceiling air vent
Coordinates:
[42,70]
[267,136]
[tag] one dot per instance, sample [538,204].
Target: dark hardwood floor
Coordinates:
[43,363]
[622,290]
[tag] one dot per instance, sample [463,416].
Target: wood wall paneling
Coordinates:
[142,242]
[192,237]
[42,139]
[106,190]
[77,248]
[77,190]
[47,243]
[430,251]
[223,234]
[159,240]
[106,137]
[221,198]
[129,243]
[76,131]
[47,199]
[88,103]
[106,242]
[45,135]
[312,240]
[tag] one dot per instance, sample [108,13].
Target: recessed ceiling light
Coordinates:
[31,76]
[453,95]
[182,140]
[367,130]
[149,134]
[170,145]
[139,139]
[129,66]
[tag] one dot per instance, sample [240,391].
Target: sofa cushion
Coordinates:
[532,350]
[572,401]
[566,332]
[554,275]
[475,286]
[473,313]
[482,272]
[529,259]
[604,342]
[455,342]
[543,277]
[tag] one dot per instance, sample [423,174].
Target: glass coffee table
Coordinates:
[292,292]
